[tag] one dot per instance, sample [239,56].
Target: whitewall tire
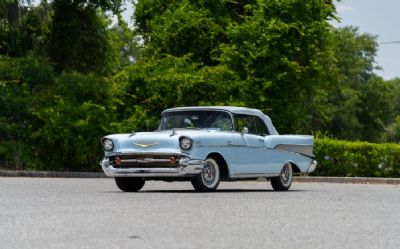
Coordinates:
[284,180]
[209,179]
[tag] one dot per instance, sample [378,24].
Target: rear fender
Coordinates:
[293,143]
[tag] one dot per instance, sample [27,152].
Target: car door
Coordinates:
[249,146]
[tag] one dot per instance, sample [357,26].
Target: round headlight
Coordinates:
[185,143]
[108,144]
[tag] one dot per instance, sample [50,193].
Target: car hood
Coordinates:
[152,141]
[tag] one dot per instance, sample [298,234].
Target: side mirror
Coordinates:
[245,130]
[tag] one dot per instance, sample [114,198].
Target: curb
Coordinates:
[59,174]
[305,179]
[351,180]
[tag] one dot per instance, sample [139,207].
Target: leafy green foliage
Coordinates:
[49,120]
[344,158]
[74,119]
[24,28]
[23,84]
[125,44]
[151,87]
[355,103]
[272,48]
[69,74]
[75,35]
[111,5]
[83,43]
[276,52]
[181,28]
[393,130]
[377,109]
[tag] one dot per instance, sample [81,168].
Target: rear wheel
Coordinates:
[208,180]
[129,184]
[284,180]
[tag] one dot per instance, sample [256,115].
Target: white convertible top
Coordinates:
[232,109]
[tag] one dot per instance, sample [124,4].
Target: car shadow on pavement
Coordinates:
[219,191]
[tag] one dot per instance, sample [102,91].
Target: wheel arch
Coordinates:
[222,163]
[295,168]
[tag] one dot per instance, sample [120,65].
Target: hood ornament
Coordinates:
[173,133]
[145,145]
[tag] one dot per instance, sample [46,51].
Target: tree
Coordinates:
[340,103]
[377,107]
[125,41]
[44,108]
[75,34]
[73,119]
[148,87]
[272,48]
[277,53]
[180,28]
[24,85]
[393,129]
[80,40]
[23,27]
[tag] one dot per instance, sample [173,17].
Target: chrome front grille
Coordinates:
[145,160]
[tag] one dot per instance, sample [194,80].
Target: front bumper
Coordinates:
[185,167]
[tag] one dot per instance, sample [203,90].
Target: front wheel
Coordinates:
[129,184]
[284,180]
[208,180]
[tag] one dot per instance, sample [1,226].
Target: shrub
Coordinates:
[24,83]
[52,121]
[345,158]
[73,120]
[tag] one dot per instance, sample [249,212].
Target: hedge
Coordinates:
[362,159]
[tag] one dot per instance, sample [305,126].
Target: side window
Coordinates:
[262,129]
[245,121]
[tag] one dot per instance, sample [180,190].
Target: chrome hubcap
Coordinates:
[208,174]
[286,175]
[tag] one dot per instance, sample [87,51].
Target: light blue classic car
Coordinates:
[206,145]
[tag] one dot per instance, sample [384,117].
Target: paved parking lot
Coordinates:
[92,213]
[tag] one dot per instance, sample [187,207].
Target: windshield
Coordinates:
[216,120]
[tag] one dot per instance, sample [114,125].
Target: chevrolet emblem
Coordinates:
[146,145]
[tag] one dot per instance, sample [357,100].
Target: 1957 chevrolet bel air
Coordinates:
[206,145]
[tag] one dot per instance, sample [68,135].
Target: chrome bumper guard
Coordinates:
[186,167]
[312,167]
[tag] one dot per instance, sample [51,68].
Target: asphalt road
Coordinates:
[92,213]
